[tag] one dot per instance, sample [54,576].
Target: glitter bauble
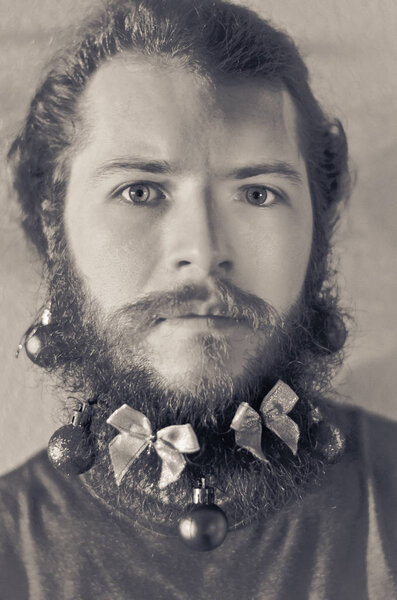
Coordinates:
[70,450]
[203,528]
[330,441]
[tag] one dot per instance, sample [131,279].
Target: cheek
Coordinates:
[114,257]
[274,255]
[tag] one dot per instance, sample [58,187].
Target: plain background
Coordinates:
[351,49]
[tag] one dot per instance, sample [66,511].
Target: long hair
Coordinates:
[215,39]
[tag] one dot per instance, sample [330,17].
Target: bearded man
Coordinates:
[182,184]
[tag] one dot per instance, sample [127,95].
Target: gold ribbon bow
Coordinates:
[136,435]
[274,408]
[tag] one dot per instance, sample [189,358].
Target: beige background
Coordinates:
[351,50]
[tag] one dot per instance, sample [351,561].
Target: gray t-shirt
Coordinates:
[58,542]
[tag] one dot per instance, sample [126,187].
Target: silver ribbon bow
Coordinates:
[274,408]
[136,435]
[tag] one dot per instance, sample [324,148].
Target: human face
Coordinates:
[180,182]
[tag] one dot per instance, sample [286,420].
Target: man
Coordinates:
[181,184]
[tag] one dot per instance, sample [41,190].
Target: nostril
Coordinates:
[183,263]
[225,265]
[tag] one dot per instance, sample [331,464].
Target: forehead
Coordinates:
[134,106]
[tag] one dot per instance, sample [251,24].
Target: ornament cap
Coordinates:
[203,494]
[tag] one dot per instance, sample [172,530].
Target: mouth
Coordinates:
[200,321]
[205,316]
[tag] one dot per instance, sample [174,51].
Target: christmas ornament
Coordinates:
[204,526]
[35,339]
[70,448]
[136,434]
[328,440]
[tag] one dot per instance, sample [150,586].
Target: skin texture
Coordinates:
[200,222]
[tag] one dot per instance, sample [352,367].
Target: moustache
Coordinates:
[215,299]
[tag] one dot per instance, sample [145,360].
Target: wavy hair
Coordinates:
[218,40]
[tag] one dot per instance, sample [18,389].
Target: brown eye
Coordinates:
[260,195]
[137,193]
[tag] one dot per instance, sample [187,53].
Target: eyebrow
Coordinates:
[115,166]
[112,167]
[281,168]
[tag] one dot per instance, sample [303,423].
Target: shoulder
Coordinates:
[371,451]
[34,475]
[27,471]
[379,439]
[21,492]
[18,487]
[375,440]
[374,437]
[31,493]
[379,442]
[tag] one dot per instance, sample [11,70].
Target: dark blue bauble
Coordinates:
[70,450]
[204,527]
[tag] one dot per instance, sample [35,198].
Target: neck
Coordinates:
[245,488]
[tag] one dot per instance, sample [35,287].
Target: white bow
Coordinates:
[136,435]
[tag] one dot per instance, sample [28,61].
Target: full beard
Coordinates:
[94,359]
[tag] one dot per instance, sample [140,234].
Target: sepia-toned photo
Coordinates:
[198,287]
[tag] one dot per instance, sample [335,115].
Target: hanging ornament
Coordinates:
[70,448]
[328,440]
[204,527]
[35,339]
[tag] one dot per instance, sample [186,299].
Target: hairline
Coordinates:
[83,125]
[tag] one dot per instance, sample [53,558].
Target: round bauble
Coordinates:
[330,441]
[36,346]
[70,450]
[203,528]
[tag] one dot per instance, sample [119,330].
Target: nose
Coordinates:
[197,238]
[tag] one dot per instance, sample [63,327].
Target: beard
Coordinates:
[102,358]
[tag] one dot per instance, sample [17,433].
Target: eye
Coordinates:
[141,193]
[260,195]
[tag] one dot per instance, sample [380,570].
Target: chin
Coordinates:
[185,363]
[192,374]
[190,378]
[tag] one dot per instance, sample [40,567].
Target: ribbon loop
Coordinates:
[287,430]
[173,463]
[248,428]
[274,408]
[127,419]
[279,401]
[181,437]
[136,435]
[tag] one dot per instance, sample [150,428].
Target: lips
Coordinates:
[220,316]
[206,316]
[193,317]
[197,322]
[207,310]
